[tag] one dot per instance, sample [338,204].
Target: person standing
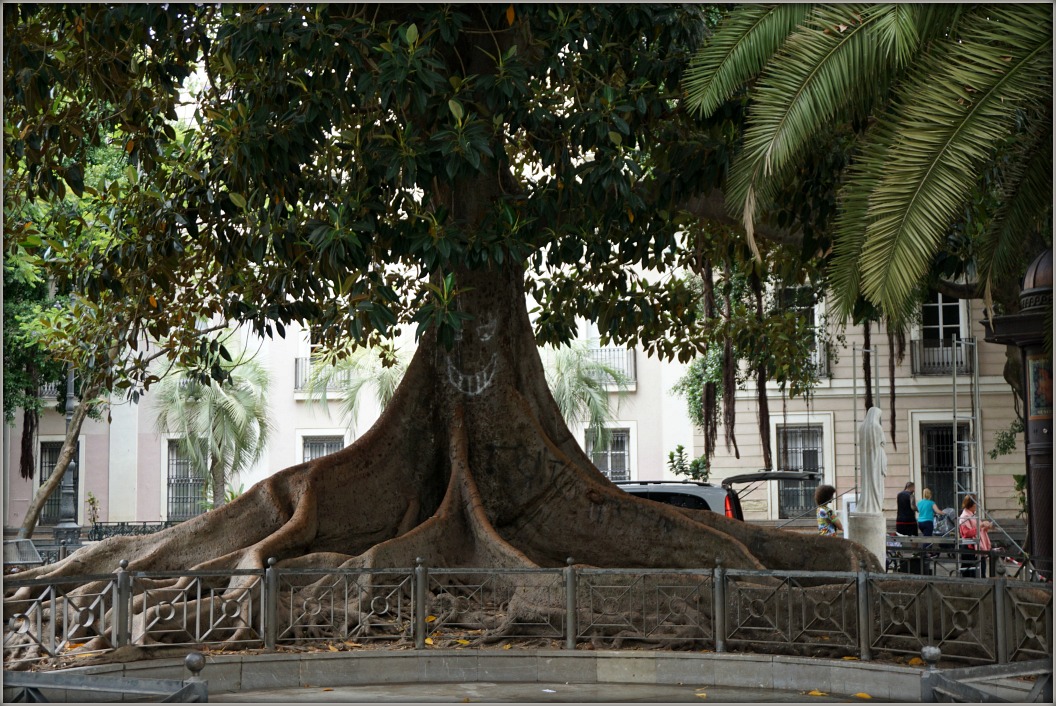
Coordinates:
[906,516]
[926,513]
[828,524]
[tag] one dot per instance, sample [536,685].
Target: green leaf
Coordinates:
[412,34]
[238,200]
[456,109]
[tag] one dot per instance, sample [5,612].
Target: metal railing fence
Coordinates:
[937,357]
[857,614]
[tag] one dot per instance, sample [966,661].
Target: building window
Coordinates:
[50,514]
[946,470]
[940,319]
[614,459]
[316,446]
[936,350]
[801,299]
[798,449]
[187,489]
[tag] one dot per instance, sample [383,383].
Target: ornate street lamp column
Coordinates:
[1026,329]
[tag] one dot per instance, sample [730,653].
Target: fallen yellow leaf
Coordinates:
[462,642]
[430,618]
[353,644]
[328,689]
[507,646]
[332,648]
[702,695]
[849,657]
[863,695]
[916,662]
[428,640]
[815,692]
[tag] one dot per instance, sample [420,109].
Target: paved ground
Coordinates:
[534,692]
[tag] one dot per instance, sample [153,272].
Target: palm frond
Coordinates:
[961,100]
[815,80]
[741,45]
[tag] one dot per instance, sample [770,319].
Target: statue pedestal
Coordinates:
[870,530]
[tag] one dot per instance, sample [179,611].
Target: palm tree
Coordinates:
[223,428]
[378,368]
[580,385]
[949,105]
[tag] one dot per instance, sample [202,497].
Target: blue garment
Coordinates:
[926,510]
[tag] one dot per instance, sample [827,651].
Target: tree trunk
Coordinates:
[69,446]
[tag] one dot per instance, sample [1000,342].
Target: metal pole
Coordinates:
[421,577]
[122,604]
[854,429]
[718,591]
[570,605]
[1000,624]
[271,605]
[864,620]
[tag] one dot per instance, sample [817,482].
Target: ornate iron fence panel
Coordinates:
[199,607]
[338,604]
[957,615]
[1030,621]
[791,608]
[470,606]
[84,627]
[656,606]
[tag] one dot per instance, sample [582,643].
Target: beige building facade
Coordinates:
[949,378]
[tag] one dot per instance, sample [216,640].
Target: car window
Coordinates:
[691,502]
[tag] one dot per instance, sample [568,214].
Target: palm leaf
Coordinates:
[742,44]
[817,79]
[961,100]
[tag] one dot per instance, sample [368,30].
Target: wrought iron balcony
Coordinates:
[936,357]
[302,372]
[617,358]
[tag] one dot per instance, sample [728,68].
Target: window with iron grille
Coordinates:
[49,456]
[316,446]
[614,459]
[798,449]
[945,470]
[187,489]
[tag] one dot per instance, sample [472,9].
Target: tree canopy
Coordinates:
[319,180]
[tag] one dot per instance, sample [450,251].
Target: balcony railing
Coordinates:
[617,358]
[302,372]
[934,357]
[49,390]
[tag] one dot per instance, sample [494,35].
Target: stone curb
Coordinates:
[229,673]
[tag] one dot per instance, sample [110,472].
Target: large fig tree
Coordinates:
[363,168]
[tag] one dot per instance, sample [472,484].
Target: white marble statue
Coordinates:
[872,463]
